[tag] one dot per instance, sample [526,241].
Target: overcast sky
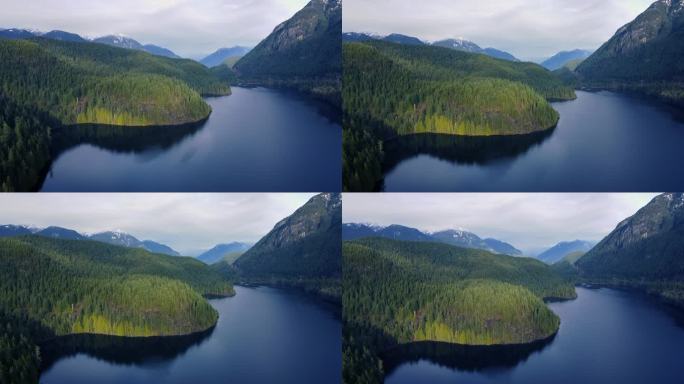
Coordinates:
[530,222]
[529,29]
[190,28]
[186,222]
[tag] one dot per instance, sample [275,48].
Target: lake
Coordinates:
[606,336]
[256,139]
[263,335]
[603,142]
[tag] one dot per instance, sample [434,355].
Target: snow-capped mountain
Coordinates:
[457,237]
[458,44]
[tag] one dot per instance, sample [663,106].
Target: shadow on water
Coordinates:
[122,139]
[460,149]
[120,350]
[472,358]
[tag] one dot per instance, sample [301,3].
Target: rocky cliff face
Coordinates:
[308,44]
[305,244]
[648,245]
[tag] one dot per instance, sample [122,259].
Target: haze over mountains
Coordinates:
[563,249]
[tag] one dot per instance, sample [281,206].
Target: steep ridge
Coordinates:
[303,52]
[643,56]
[644,251]
[301,250]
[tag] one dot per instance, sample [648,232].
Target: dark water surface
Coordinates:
[256,139]
[603,142]
[264,335]
[606,336]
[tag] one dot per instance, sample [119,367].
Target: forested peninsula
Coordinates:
[53,287]
[397,292]
[47,85]
[394,89]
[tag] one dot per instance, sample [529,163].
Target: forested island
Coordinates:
[398,292]
[55,287]
[394,89]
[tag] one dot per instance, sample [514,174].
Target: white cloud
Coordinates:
[528,221]
[526,28]
[183,221]
[191,28]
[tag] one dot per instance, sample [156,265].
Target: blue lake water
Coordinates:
[606,336]
[263,335]
[603,142]
[256,139]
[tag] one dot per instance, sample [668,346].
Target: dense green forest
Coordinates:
[54,287]
[398,292]
[24,145]
[93,83]
[393,89]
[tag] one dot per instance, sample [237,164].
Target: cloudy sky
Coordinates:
[191,28]
[186,222]
[529,29]
[530,222]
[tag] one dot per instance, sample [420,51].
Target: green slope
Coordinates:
[400,292]
[53,287]
[80,83]
[24,145]
[393,89]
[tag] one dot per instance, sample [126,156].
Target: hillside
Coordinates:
[392,89]
[644,251]
[644,56]
[303,52]
[56,287]
[399,292]
[301,250]
[86,83]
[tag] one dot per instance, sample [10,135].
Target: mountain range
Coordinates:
[563,58]
[456,44]
[111,40]
[111,237]
[644,56]
[563,249]
[457,237]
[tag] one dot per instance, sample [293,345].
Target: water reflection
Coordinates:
[463,357]
[122,139]
[461,149]
[120,350]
